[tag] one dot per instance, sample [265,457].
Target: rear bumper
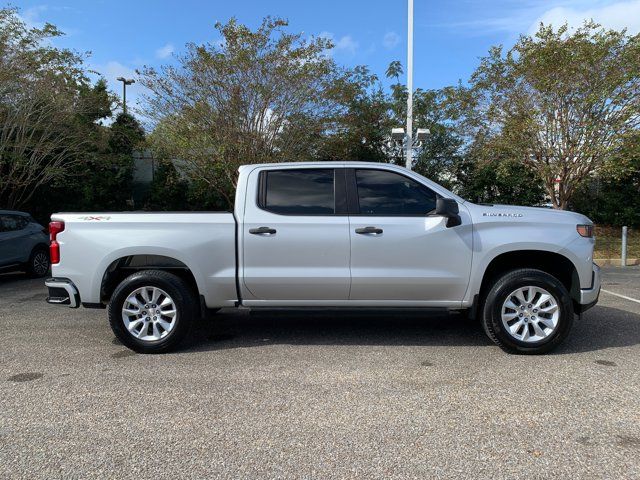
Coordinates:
[62,291]
[589,296]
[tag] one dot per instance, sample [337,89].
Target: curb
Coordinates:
[616,262]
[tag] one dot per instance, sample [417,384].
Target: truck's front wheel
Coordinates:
[151,311]
[527,311]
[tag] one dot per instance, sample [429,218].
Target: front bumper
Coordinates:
[589,296]
[62,291]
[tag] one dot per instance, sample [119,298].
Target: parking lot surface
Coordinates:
[322,394]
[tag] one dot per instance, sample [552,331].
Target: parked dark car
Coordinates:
[24,244]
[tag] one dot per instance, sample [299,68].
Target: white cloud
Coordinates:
[165,51]
[345,44]
[390,40]
[524,17]
[616,15]
[31,16]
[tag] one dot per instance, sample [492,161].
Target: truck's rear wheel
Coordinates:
[527,311]
[151,311]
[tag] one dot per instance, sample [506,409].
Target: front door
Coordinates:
[400,251]
[295,237]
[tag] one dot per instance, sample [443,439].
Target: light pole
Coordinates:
[125,82]
[398,134]
[409,85]
[406,141]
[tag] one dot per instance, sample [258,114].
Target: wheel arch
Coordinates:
[124,266]
[40,246]
[553,263]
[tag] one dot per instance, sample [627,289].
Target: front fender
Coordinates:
[494,237]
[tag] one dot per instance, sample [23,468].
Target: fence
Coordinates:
[609,245]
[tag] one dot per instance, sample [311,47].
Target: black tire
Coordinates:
[491,311]
[39,264]
[183,298]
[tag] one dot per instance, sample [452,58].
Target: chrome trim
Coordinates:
[590,295]
[68,286]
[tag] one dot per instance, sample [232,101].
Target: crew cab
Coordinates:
[326,234]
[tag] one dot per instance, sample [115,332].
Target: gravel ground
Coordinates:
[367,394]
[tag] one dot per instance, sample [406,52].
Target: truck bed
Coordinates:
[204,242]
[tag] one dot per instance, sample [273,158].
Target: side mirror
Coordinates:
[448,207]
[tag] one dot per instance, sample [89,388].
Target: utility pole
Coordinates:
[409,161]
[125,82]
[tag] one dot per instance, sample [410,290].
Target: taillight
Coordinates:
[54,247]
[585,230]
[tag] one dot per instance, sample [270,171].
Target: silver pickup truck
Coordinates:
[348,234]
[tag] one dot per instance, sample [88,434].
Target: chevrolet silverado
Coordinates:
[325,234]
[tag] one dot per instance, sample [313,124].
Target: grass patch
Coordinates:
[609,242]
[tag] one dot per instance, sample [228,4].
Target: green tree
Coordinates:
[559,102]
[613,197]
[438,154]
[442,149]
[394,70]
[500,181]
[361,127]
[101,178]
[256,96]
[126,135]
[42,105]
[169,191]
[107,176]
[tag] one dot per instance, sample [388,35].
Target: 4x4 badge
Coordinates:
[96,218]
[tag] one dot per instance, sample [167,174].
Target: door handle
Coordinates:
[369,231]
[263,231]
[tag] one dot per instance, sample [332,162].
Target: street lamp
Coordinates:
[397,134]
[421,136]
[125,82]
[408,143]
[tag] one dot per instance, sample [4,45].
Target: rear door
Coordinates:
[295,236]
[401,251]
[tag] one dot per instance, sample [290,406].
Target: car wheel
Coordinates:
[151,311]
[39,264]
[527,311]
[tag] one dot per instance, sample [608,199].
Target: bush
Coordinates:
[498,181]
[610,201]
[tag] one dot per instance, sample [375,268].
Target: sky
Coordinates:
[449,36]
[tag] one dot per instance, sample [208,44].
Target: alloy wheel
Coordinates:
[530,314]
[40,263]
[149,313]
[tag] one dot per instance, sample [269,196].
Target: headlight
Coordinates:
[585,230]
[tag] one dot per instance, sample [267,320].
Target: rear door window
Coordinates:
[11,223]
[23,222]
[299,191]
